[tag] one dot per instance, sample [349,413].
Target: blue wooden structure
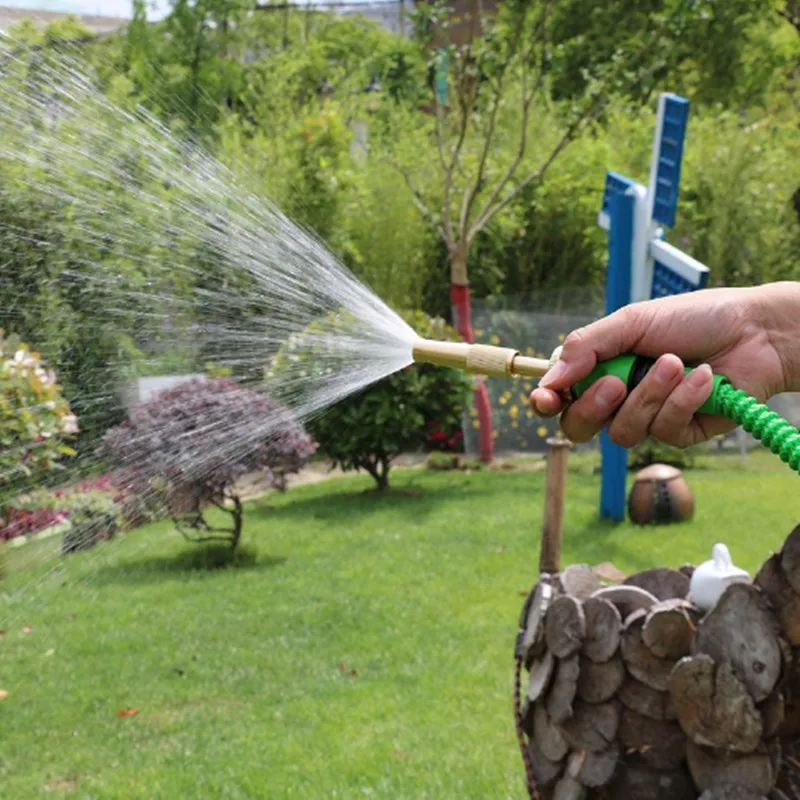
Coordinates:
[641,265]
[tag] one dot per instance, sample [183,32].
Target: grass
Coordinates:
[361,648]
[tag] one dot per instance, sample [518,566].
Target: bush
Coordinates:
[192,443]
[26,521]
[33,417]
[93,515]
[368,430]
[651,451]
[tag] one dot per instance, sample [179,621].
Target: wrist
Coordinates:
[777,312]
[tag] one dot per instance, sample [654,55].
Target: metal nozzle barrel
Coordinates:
[481,359]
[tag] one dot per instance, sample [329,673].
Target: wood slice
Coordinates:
[713,769]
[669,628]
[603,629]
[606,571]
[731,793]
[637,781]
[790,559]
[600,682]
[533,638]
[639,658]
[547,772]
[782,597]
[741,631]
[579,581]
[714,708]
[660,744]
[661,582]
[539,677]
[646,701]
[526,713]
[564,687]
[569,789]
[627,599]
[773,713]
[549,738]
[564,626]
[593,727]
[593,769]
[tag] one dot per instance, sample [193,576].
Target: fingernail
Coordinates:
[698,377]
[553,374]
[664,370]
[609,394]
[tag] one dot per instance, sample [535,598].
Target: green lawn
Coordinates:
[365,653]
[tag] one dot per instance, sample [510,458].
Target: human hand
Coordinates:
[748,335]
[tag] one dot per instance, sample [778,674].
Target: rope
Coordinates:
[774,432]
[533,791]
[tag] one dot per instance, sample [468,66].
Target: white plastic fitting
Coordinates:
[712,577]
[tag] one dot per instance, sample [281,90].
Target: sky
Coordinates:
[110,8]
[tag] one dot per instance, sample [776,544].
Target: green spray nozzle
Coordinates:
[774,432]
[631,369]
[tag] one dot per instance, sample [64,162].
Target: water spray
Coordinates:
[774,432]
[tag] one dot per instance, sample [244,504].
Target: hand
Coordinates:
[748,335]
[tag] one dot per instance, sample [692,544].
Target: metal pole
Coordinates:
[557,456]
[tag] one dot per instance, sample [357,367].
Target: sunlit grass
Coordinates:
[365,651]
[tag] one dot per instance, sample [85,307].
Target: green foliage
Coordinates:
[250,83]
[652,451]
[711,51]
[94,516]
[736,210]
[368,430]
[34,417]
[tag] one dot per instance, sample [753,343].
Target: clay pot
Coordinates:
[660,495]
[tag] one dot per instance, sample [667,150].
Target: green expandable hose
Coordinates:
[774,432]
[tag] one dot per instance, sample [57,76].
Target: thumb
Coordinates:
[611,336]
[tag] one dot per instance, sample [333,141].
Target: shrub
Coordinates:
[651,451]
[194,442]
[369,429]
[33,417]
[26,521]
[93,515]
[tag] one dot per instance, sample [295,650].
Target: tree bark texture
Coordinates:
[460,296]
[635,694]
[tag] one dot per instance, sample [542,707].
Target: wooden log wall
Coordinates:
[634,694]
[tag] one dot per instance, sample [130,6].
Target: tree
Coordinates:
[194,442]
[483,96]
[706,59]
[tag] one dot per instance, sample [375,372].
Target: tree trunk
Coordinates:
[460,296]
[237,521]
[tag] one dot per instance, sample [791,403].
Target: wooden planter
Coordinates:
[633,694]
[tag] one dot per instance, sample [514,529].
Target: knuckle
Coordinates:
[624,432]
[623,438]
[574,341]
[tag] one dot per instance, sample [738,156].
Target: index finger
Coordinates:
[610,336]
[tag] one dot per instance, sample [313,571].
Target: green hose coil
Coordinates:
[774,432]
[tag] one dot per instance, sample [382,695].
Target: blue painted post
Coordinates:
[618,294]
